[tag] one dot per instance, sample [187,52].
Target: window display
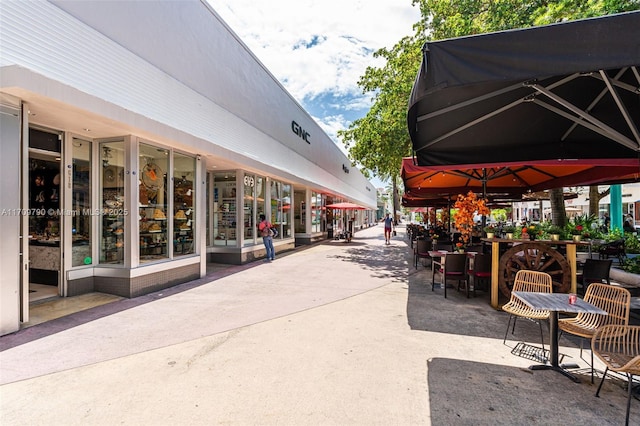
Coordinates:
[224,209]
[184,217]
[112,202]
[153,202]
[81,203]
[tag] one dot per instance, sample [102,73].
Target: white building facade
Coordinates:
[141,141]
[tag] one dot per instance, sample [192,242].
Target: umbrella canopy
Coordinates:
[345,206]
[514,178]
[562,91]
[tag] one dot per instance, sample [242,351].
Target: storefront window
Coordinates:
[153,202]
[81,203]
[281,208]
[249,189]
[316,212]
[114,210]
[224,209]
[286,211]
[184,217]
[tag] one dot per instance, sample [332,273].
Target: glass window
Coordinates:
[184,216]
[224,209]
[286,211]
[316,212]
[249,189]
[281,208]
[114,210]
[81,203]
[153,202]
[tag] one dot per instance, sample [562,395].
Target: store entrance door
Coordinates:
[45,225]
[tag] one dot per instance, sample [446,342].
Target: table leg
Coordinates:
[573,266]
[553,351]
[495,265]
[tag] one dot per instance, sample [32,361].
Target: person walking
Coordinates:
[265,231]
[388,227]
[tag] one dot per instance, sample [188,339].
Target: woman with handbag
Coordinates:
[267,237]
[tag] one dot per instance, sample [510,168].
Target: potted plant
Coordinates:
[532,231]
[509,230]
[554,232]
[577,232]
[490,230]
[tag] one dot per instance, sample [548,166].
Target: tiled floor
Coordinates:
[46,305]
[55,307]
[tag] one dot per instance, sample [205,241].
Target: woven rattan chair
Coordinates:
[615,300]
[526,280]
[618,347]
[421,250]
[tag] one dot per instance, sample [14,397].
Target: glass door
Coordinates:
[45,226]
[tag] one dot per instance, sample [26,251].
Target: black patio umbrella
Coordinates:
[562,91]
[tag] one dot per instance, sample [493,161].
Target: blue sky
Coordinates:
[319,49]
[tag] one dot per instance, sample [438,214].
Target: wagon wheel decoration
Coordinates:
[537,257]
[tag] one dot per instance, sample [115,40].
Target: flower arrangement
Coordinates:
[490,229]
[532,229]
[577,230]
[459,246]
[467,206]
[509,229]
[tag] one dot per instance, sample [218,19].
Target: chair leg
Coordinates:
[602,381]
[507,330]
[591,367]
[629,391]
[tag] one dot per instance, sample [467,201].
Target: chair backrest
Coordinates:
[455,263]
[596,271]
[527,280]
[618,346]
[481,263]
[615,300]
[423,245]
[443,245]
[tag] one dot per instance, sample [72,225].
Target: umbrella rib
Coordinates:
[468,102]
[613,135]
[621,105]
[472,123]
[593,104]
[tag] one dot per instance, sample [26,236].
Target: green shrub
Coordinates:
[631,265]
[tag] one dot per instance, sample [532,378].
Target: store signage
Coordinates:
[303,134]
[249,181]
[345,169]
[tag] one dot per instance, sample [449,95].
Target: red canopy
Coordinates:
[515,177]
[345,206]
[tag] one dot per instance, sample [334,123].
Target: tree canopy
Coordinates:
[378,141]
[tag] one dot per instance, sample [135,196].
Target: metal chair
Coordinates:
[595,271]
[454,266]
[618,347]
[616,301]
[526,280]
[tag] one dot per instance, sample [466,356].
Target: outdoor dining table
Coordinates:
[571,250]
[555,303]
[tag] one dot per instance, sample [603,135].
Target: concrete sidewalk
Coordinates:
[331,334]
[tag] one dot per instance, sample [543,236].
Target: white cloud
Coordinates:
[317,47]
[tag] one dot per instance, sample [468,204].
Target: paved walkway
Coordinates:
[331,334]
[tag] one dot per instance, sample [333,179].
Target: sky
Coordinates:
[318,49]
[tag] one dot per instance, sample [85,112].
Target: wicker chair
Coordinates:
[615,300]
[421,250]
[526,280]
[618,347]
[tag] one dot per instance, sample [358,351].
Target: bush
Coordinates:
[631,244]
[631,265]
